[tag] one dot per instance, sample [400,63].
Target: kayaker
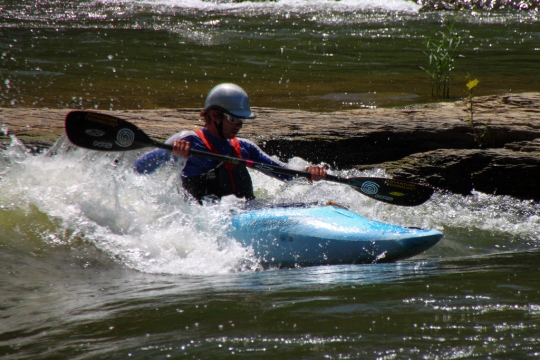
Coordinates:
[226,109]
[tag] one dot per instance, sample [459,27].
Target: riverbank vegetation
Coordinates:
[441,57]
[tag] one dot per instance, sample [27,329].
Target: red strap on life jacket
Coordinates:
[236,153]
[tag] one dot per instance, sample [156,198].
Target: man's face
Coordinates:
[230,130]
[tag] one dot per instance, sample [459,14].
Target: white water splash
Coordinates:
[142,221]
[297,6]
[145,222]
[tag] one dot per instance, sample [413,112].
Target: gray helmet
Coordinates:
[231,99]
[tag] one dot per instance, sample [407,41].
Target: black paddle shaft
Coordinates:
[103,132]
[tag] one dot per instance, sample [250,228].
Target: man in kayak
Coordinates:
[225,110]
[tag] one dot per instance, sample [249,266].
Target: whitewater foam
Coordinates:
[146,222]
[299,6]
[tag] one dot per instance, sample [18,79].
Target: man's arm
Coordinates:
[255,153]
[150,162]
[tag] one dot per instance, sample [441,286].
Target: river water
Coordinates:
[316,55]
[98,262]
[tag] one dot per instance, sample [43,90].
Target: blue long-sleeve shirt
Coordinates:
[196,166]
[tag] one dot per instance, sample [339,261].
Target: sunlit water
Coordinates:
[98,262]
[316,55]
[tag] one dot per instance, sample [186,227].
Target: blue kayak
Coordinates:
[326,235]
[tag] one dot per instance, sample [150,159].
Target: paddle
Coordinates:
[108,133]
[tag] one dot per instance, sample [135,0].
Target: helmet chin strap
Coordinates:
[219,128]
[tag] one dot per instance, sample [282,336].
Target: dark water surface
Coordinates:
[313,55]
[485,307]
[99,263]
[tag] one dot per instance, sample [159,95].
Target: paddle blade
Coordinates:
[96,131]
[392,191]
